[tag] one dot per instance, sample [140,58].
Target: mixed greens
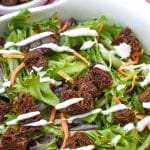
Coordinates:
[130,75]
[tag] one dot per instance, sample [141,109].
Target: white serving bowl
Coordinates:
[131,13]
[33,3]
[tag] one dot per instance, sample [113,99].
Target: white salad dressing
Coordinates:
[5,84]
[143,67]
[143,123]
[146,80]
[102,67]
[51,81]
[128,127]
[54,47]
[68,103]
[41,122]
[80,32]
[132,67]
[121,87]
[89,147]
[22,117]
[87,45]
[114,109]
[45,79]
[29,40]
[115,140]
[123,50]
[37,69]
[146,105]
[2,90]
[9,52]
[2,127]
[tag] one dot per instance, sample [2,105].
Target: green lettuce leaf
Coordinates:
[41,91]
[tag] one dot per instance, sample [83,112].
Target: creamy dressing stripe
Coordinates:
[68,103]
[87,45]
[146,105]
[102,67]
[23,117]
[80,32]
[10,52]
[54,47]
[29,40]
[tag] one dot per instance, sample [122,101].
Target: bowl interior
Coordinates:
[117,11]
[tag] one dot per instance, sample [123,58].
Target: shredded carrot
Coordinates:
[132,85]
[100,28]
[13,56]
[117,100]
[127,64]
[65,129]
[137,54]
[64,27]
[52,116]
[59,23]
[148,127]
[66,76]
[81,57]
[14,74]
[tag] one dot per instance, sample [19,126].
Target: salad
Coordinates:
[73,85]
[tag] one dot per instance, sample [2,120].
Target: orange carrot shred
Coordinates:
[100,28]
[64,27]
[14,74]
[66,76]
[81,57]
[59,23]
[132,85]
[137,54]
[64,124]
[117,100]
[52,116]
[127,64]
[13,56]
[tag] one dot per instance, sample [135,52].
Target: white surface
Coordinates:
[131,13]
[33,3]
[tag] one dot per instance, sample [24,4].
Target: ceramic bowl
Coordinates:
[33,3]
[131,13]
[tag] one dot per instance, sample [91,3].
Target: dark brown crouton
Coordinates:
[124,116]
[25,103]
[4,109]
[2,41]
[84,106]
[50,39]
[127,37]
[13,140]
[145,96]
[79,139]
[9,2]
[90,88]
[82,79]
[102,79]
[34,59]
[86,84]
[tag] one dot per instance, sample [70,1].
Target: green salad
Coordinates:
[72,85]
